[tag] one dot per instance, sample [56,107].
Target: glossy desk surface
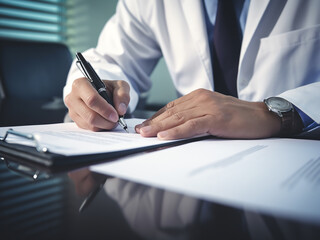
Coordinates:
[48,208]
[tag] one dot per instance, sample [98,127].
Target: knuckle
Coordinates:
[124,84]
[123,87]
[67,100]
[170,105]
[90,118]
[76,84]
[178,117]
[201,90]
[90,100]
[125,97]
[170,112]
[205,95]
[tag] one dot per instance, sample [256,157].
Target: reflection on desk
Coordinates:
[158,214]
[48,209]
[31,208]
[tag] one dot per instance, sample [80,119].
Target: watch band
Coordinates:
[291,123]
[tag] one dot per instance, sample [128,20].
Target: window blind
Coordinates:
[40,20]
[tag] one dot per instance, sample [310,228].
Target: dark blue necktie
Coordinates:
[226,49]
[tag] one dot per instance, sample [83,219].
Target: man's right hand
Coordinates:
[90,111]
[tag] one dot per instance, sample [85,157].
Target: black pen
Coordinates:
[88,71]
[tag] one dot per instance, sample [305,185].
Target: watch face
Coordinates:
[279,104]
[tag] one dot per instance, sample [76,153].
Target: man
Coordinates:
[280,56]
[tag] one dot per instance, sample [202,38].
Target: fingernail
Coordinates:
[146,130]
[122,108]
[113,117]
[163,134]
[137,128]
[141,125]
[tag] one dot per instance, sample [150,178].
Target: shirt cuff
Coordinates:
[307,122]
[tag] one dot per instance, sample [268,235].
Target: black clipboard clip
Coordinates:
[18,168]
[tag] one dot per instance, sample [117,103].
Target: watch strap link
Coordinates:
[291,123]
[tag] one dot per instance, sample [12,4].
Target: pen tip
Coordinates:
[123,124]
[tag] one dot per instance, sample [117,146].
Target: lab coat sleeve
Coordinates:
[126,50]
[307,99]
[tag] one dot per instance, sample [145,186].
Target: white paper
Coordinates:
[68,139]
[277,176]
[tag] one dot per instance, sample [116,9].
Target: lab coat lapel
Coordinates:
[255,13]
[250,45]
[262,18]
[194,16]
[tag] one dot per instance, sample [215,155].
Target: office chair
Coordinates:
[33,70]
[32,76]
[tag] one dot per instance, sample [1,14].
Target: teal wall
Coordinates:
[85,19]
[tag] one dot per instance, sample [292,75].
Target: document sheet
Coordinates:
[68,139]
[275,176]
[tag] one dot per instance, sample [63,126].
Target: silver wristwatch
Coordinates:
[290,121]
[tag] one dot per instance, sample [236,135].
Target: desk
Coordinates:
[48,209]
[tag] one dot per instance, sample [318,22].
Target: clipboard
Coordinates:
[41,159]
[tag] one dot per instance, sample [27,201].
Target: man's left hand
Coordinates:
[206,112]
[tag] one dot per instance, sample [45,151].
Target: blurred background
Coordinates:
[75,23]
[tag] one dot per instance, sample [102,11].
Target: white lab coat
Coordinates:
[280,52]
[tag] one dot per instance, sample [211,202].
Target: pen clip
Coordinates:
[83,70]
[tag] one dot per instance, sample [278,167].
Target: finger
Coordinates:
[96,123]
[93,100]
[172,120]
[191,128]
[171,109]
[147,122]
[121,95]
[174,104]
[200,97]
[174,110]
[74,103]
[85,117]
[197,103]
[81,123]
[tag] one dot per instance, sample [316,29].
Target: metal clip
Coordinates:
[22,170]
[26,136]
